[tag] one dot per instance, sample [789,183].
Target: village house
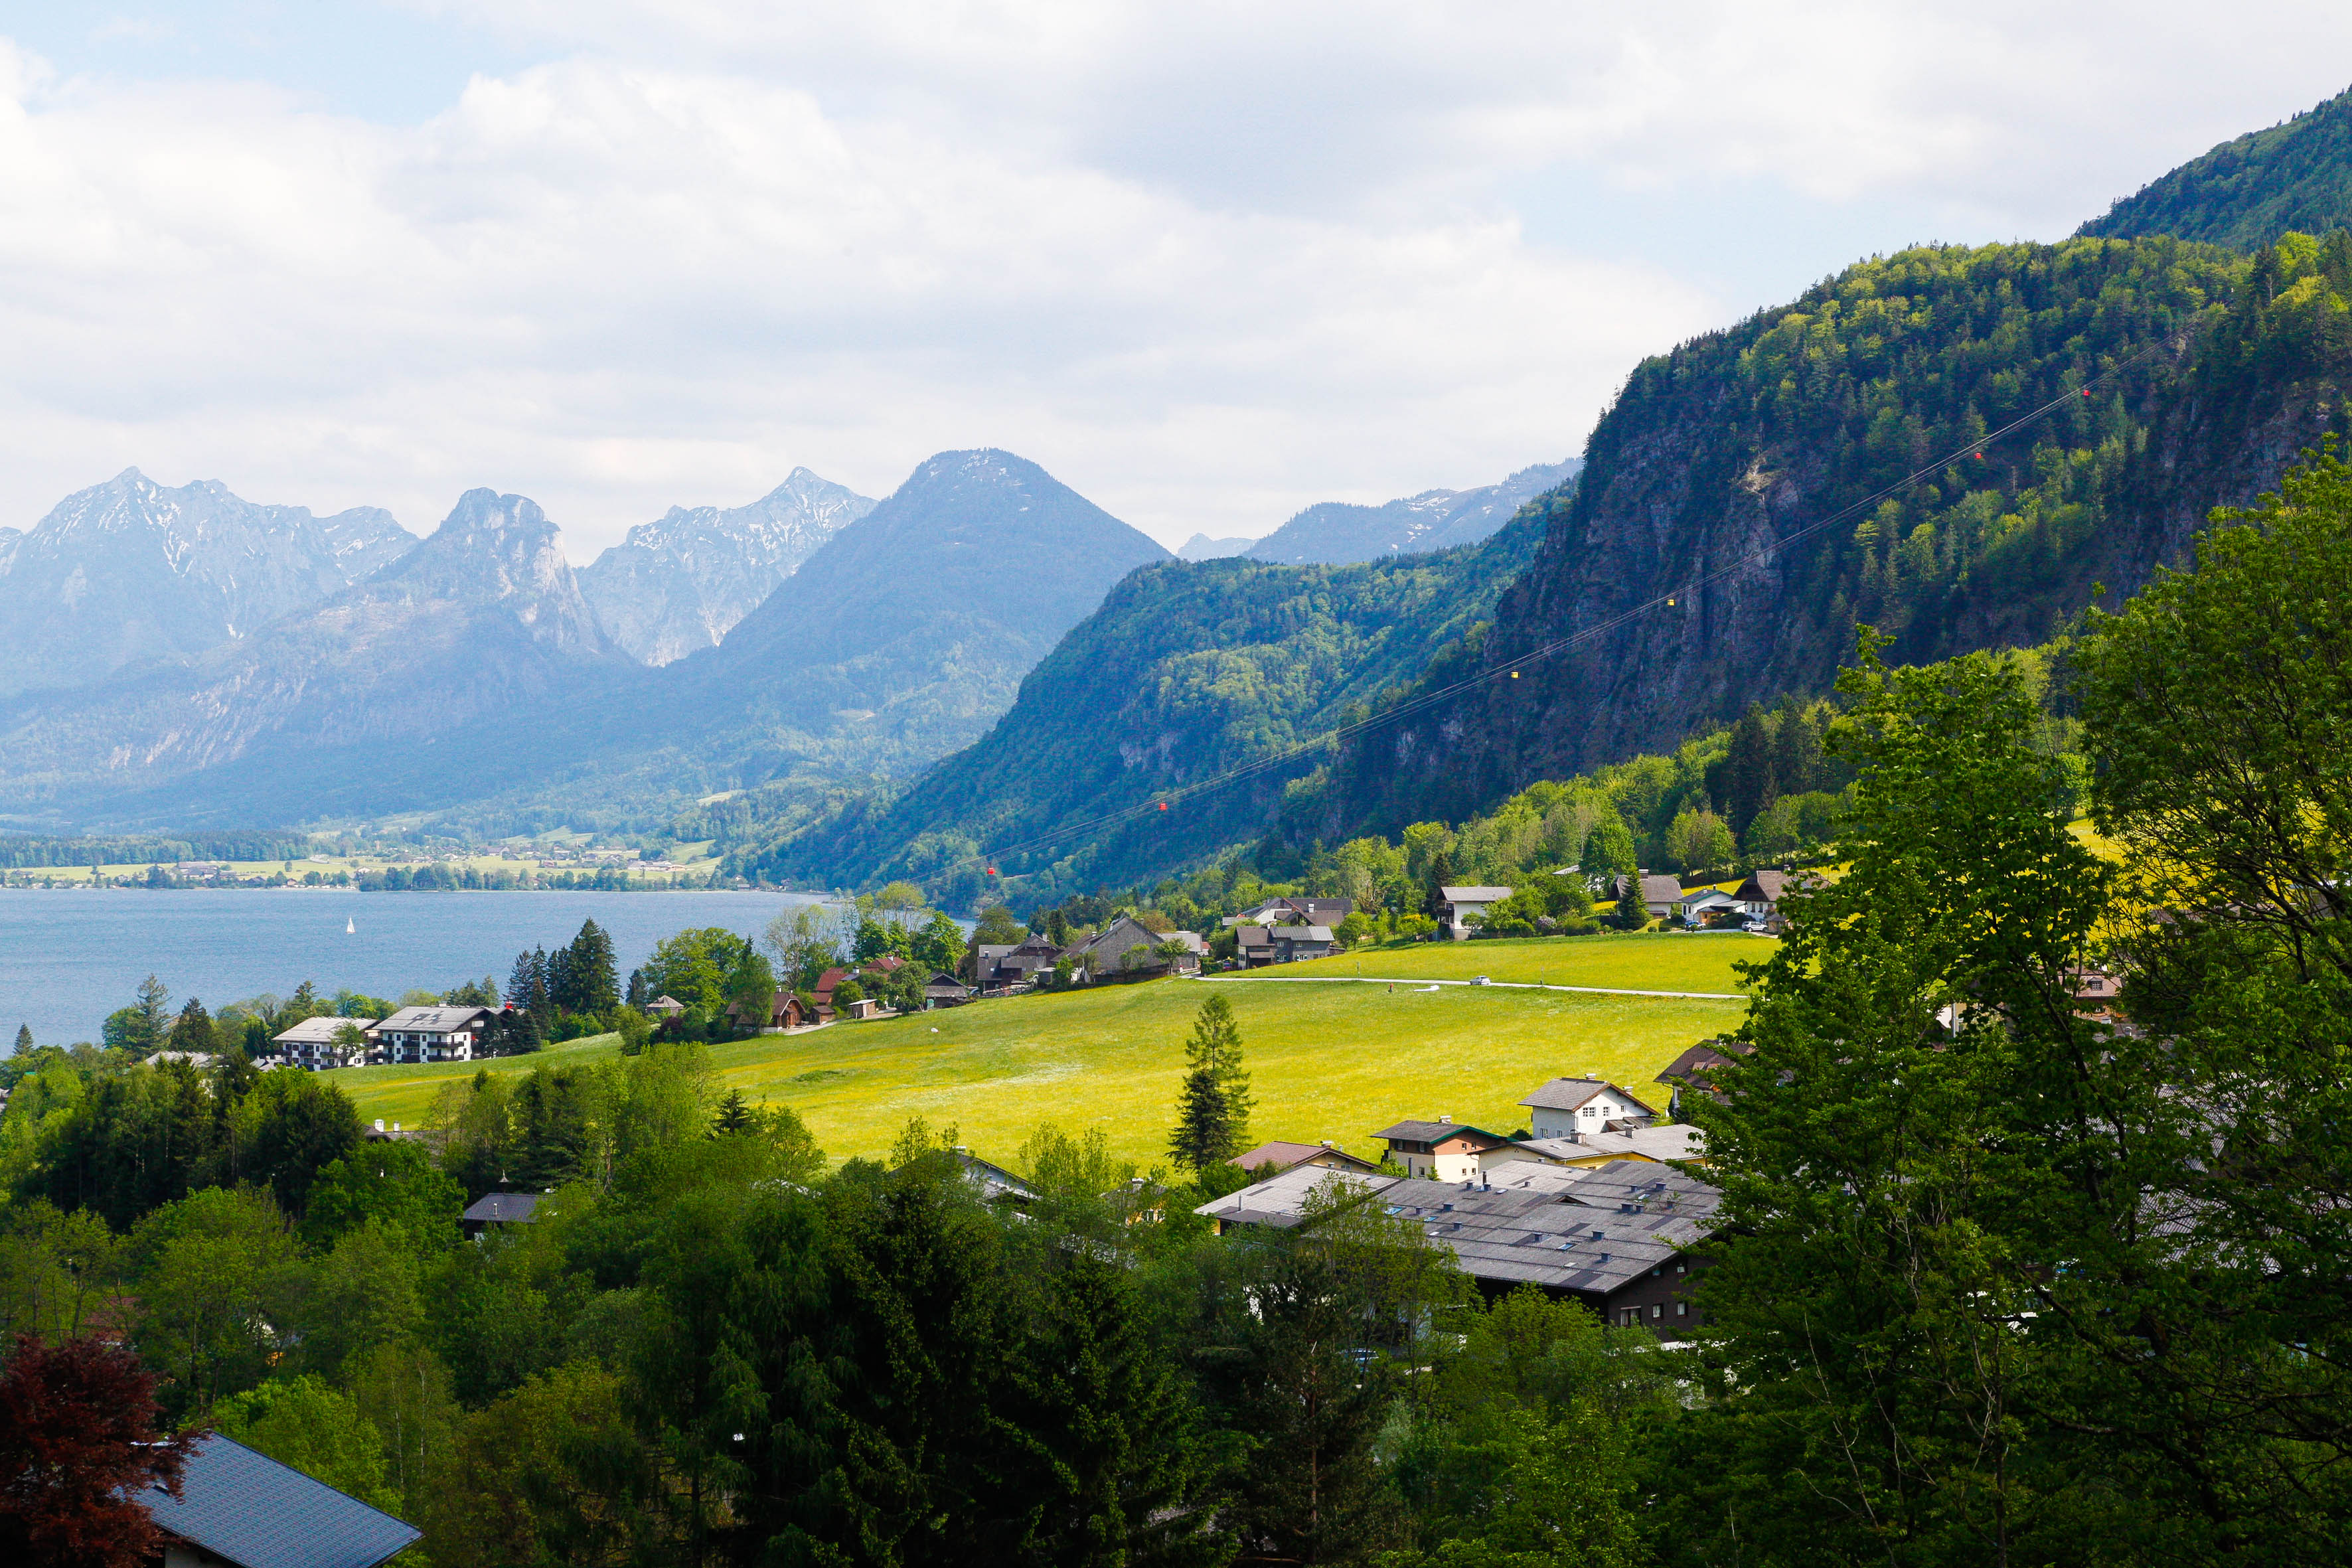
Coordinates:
[1443,1149]
[1699,905]
[311,1043]
[1295,911]
[664,1007]
[1661,896]
[436,1034]
[998,967]
[1274,1158]
[1621,1237]
[1760,893]
[945,991]
[1462,904]
[1257,946]
[1128,947]
[499,1208]
[238,1508]
[1567,1105]
[1692,1074]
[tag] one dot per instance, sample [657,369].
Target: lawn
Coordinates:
[1621,961]
[1326,1061]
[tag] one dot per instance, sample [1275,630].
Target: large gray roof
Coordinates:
[503,1208]
[318,1031]
[439,1019]
[1475,895]
[257,1514]
[1592,1229]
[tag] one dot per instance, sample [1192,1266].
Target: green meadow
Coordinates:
[1326,1061]
[1638,961]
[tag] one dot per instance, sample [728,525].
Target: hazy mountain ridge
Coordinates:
[682,582]
[473,673]
[129,570]
[1337,532]
[451,645]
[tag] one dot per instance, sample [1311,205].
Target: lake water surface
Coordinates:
[70,958]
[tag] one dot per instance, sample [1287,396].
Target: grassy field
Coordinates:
[1326,1061]
[1632,962]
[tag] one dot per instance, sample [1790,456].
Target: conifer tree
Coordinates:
[735,1115]
[592,981]
[24,1039]
[1213,1107]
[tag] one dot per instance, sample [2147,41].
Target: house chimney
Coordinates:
[395,1127]
[379,1124]
[1447,1120]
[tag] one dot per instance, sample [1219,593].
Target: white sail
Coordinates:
[350,928]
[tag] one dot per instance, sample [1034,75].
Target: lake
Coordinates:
[70,958]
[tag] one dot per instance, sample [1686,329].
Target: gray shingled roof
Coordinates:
[1568,1093]
[433,1020]
[510,1208]
[1475,895]
[257,1514]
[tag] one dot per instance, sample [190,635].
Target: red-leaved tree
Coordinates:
[77,1444]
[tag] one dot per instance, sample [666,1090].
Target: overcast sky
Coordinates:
[1207,262]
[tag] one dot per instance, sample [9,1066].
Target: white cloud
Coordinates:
[1206,263]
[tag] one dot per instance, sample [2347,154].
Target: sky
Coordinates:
[1208,263]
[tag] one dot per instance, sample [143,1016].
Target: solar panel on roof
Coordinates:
[255,1512]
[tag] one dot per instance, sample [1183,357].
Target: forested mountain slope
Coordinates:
[1186,670]
[2295,178]
[1717,452]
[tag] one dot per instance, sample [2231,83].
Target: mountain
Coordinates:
[424,681]
[1186,670]
[907,633]
[1702,483]
[131,570]
[1200,547]
[681,584]
[2247,191]
[1337,532]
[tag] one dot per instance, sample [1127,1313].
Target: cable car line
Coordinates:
[1973,450]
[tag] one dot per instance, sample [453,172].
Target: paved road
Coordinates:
[1491,984]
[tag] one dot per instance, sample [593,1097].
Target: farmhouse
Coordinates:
[439,1033]
[1567,1105]
[1463,903]
[499,1208]
[1443,1149]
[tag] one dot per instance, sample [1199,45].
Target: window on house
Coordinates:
[1657,1311]
[1682,1308]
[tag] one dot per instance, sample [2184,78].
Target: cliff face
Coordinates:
[1717,455]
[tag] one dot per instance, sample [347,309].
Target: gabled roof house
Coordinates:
[238,1508]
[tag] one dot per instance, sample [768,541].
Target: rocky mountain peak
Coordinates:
[682,582]
[502,550]
[130,571]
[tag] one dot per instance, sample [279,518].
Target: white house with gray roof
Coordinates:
[436,1034]
[314,1044]
[1571,1105]
[1462,903]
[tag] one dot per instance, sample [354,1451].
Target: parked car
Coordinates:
[1480,980]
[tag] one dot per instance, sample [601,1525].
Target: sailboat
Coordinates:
[349,928]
